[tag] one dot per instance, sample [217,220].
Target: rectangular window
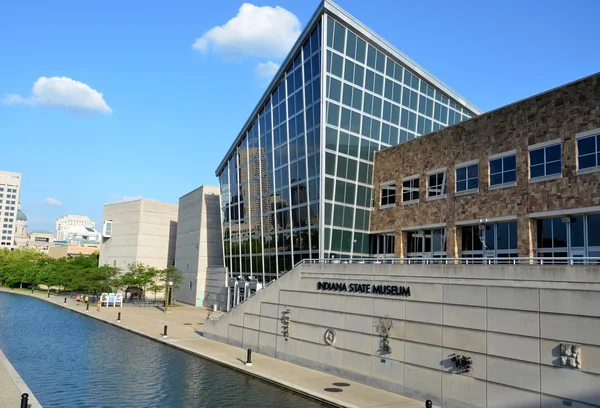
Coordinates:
[467,177]
[388,194]
[436,184]
[503,170]
[588,151]
[545,161]
[410,189]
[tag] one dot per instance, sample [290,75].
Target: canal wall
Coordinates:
[148,322]
[460,335]
[12,386]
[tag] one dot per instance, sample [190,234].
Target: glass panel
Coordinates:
[577,231]
[544,233]
[503,235]
[559,233]
[593,230]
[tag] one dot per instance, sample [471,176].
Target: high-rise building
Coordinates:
[10,188]
[297,181]
[67,221]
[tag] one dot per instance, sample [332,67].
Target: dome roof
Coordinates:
[21,216]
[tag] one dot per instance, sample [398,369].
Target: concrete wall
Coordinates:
[143,231]
[511,320]
[198,243]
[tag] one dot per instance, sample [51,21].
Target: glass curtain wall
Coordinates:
[372,102]
[270,186]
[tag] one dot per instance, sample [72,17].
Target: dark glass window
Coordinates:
[503,170]
[410,190]
[545,161]
[588,152]
[577,231]
[467,178]
[593,230]
[339,37]
[437,184]
[388,194]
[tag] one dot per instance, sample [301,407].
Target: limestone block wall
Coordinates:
[510,320]
[556,114]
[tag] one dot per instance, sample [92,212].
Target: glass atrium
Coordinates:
[297,183]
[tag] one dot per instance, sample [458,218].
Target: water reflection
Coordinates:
[69,360]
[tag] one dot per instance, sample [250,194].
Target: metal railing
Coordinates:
[574,261]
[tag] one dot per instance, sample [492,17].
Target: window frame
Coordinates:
[444,185]
[584,135]
[412,189]
[384,186]
[466,165]
[543,146]
[497,156]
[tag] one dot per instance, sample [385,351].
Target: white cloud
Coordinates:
[53,201]
[62,92]
[266,69]
[267,32]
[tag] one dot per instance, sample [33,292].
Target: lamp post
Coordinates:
[169,301]
[482,230]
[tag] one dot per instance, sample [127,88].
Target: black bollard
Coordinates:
[249,358]
[87,307]
[428,404]
[24,400]
[48,295]
[119,317]
[165,331]
[65,299]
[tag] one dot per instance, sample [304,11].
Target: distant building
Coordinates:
[81,233]
[10,187]
[199,250]
[41,240]
[69,221]
[139,231]
[70,252]
[21,236]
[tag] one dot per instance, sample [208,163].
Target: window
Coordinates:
[410,189]
[588,151]
[569,236]
[545,161]
[388,194]
[436,184]
[467,177]
[503,169]
[429,243]
[499,240]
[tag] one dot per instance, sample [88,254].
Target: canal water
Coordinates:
[70,360]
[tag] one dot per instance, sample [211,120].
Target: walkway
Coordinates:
[12,386]
[184,332]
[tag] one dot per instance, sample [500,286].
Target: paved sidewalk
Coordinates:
[184,332]
[12,386]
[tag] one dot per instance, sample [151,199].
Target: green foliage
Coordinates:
[25,267]
[29,267]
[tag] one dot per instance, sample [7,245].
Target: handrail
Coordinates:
[574,261]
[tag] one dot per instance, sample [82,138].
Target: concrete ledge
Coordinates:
[18,382]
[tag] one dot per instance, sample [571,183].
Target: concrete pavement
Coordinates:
[184,332]
[12,386]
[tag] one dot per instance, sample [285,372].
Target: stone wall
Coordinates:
[510,320]
[557,114]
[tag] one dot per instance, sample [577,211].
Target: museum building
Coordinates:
[297,182]
[520,181]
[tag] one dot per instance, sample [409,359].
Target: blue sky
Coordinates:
[168,111]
